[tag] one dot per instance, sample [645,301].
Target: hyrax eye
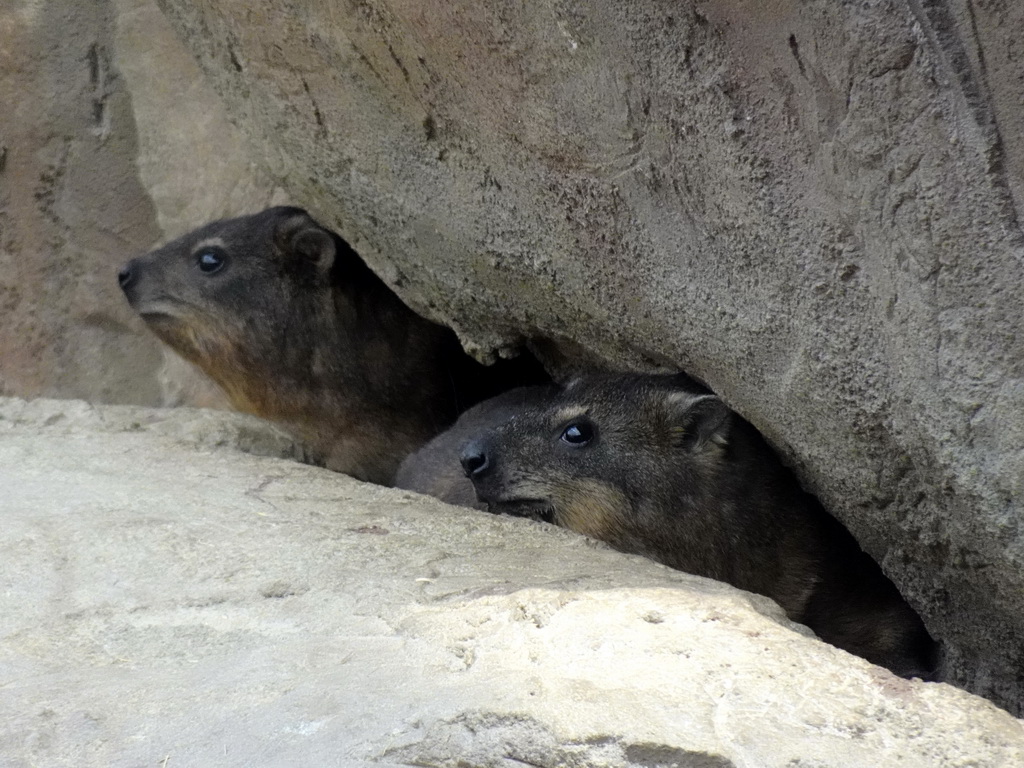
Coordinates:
[578,434]
[211,260]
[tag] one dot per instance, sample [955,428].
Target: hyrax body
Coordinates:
[434,469]
[661,470]
[294,326]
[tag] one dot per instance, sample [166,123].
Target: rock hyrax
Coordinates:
[290,321]
[655,468]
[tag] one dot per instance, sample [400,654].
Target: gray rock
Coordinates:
[70,204]
[168,599]
[812,206]
[110,141]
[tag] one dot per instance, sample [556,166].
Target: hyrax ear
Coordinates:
[299,237]
[697,422]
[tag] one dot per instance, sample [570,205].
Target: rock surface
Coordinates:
[168,599]
[110,141]
[812,206]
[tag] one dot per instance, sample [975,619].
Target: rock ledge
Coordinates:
[169,599]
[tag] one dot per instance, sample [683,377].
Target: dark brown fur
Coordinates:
[669,472]
[297,329]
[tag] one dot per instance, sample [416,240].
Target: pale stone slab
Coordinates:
[168,599]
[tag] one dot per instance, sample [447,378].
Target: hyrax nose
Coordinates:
[474,459]
[126,276]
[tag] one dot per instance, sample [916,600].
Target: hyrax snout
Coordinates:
[666,470]
[434,469]
[294,326]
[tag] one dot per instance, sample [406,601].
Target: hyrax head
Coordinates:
[242,297]
[614,457]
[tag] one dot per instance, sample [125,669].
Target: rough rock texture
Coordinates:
[810,205]
[166,599]
[71,206]
[109,142]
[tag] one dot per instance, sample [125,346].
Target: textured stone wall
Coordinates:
[70,206]
[810,205]
[110,141]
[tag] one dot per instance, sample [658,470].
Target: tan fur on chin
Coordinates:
[591,507]
[214,349]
